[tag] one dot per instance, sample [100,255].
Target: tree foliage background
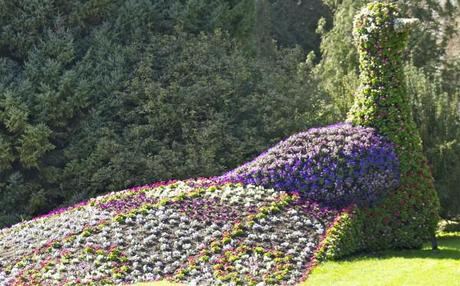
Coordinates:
[97,95]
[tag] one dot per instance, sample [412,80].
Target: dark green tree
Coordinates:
[98,95]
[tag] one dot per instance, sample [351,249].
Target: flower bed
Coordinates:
[273,246]
[174,231]
[337,165]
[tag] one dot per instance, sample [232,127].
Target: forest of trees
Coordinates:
[97,95]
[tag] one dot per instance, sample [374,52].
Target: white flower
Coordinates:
[400,24]
[257,227]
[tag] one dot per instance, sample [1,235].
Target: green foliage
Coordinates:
[343,238]
[33,144]
[435,103]
[294,22]
[97,96]
[6,154]
[14,113]
[338,69]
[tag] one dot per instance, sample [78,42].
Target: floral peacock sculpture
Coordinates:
[408,216]
[320,194]
[403,217]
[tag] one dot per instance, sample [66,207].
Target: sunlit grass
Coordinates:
[405,267]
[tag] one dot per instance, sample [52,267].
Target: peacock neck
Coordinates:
[381,100]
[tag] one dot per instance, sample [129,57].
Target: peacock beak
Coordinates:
[405,24]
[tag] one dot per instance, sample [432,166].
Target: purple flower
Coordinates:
[337,165]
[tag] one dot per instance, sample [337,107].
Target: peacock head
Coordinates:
[381,36]
[380,31]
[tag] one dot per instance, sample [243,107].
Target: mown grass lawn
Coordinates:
[405,267]
[389,268]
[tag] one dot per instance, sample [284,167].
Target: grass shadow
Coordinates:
[449,248]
